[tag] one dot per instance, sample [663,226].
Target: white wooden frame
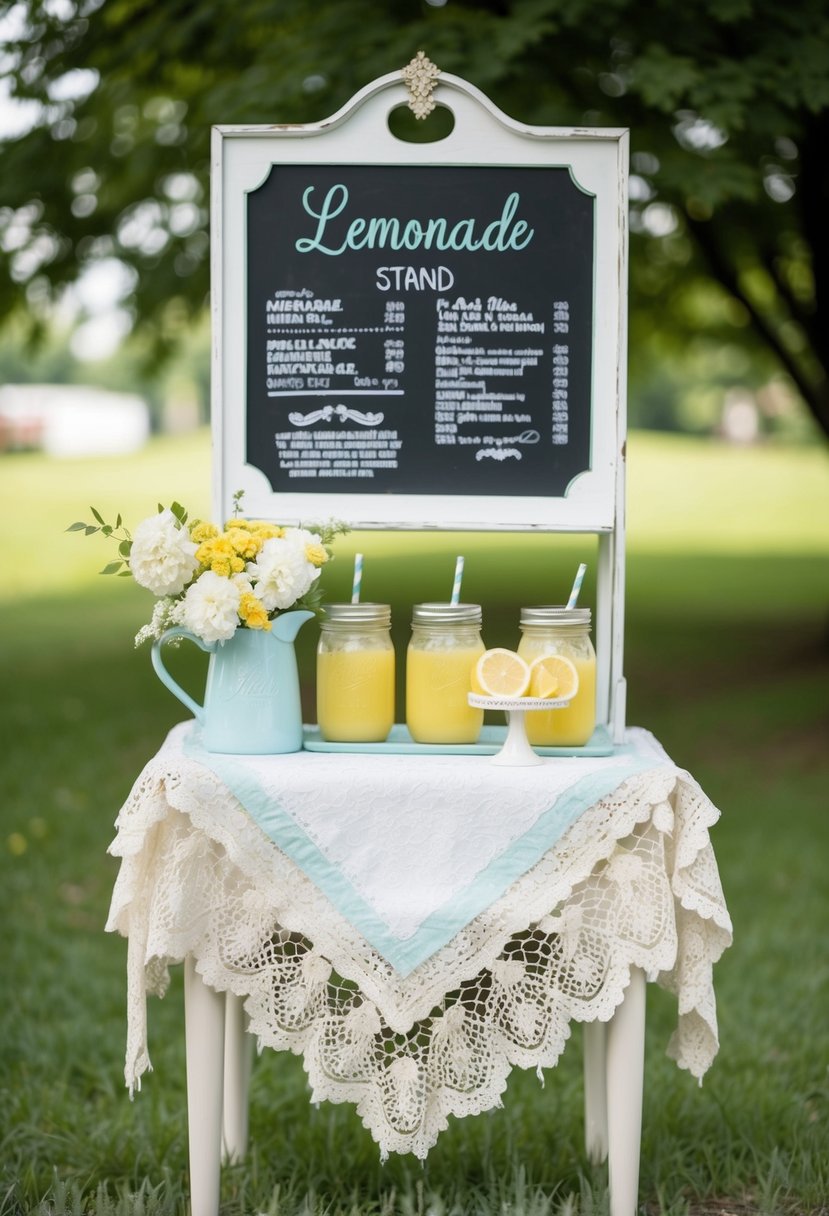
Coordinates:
[242,157]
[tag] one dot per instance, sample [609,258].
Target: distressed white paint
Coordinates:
[242,157]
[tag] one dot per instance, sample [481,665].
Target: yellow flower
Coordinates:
[219,556]
[260,528]
[243,542]
[264,529]
[316,555]
[206,551]
[252,612]
[201,531]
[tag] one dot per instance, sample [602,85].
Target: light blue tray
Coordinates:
[491,741]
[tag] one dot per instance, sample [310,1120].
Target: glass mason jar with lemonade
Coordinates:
[556,630]
[445,645]
[355,673]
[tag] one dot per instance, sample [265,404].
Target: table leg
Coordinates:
[625,1068]
[595,1091]
[204,1027]
[238,1063]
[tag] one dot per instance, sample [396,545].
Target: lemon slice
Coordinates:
[554,675]
[500,673]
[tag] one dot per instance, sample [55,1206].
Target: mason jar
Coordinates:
[355,673]
[550,629]
[445,645]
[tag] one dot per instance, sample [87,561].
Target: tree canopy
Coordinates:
[727,102]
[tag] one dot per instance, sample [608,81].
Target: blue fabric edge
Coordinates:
[445,922]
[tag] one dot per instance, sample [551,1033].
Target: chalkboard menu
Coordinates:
[419,329]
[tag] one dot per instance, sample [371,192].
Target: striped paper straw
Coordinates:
[577,582]
[456,586]
[358,578]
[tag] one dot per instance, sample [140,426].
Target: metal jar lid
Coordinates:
[555,614]
[446,614]
[342,615]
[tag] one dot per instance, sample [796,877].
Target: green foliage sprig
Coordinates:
[121,533]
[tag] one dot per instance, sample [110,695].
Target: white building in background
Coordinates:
[71,420]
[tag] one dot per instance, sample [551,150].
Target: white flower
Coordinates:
[162,557]
[242,581]
[164,615]
[301,537]
[281,572]
[210,608]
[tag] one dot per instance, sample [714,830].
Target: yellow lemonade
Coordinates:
[437,688]
[572,726]
[552,630]
[355,694]
[355,673]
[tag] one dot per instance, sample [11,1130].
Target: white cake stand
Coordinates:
[516,752]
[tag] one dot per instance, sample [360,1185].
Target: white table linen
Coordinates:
[390,1013]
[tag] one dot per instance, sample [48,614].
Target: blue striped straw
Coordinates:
[358,578]
[456,586]
[577,582]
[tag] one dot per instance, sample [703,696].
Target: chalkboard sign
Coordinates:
[419,329]
[426,335]
[415,335]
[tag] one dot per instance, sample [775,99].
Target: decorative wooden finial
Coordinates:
[420,76]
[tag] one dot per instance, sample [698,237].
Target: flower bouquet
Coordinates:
[240,592]
[211,580]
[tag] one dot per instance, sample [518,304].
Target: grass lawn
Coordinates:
[727,661]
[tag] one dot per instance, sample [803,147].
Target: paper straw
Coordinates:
[358,578]
[577,582]
[456,586]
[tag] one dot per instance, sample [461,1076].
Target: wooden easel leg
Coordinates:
[204,1023]
[595,1091]
[625,1069]
[238,1063]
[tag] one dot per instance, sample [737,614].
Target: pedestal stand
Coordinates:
[516,752]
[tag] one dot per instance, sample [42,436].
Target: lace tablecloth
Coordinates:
[457,917]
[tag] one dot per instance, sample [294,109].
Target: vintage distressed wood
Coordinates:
[354,155]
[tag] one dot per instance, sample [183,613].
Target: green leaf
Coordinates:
[89,529]
[111,568]
[312,600]
[179,512]
[125,574]
[118,522]
[125,547]
[79,526]
[97,515]
[107,529]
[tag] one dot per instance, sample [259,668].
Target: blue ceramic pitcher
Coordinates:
[251,700]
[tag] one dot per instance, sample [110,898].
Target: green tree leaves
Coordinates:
[727,100]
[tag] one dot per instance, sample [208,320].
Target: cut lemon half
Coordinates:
[501,673]
[554,675]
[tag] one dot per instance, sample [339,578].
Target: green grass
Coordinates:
[728,589]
